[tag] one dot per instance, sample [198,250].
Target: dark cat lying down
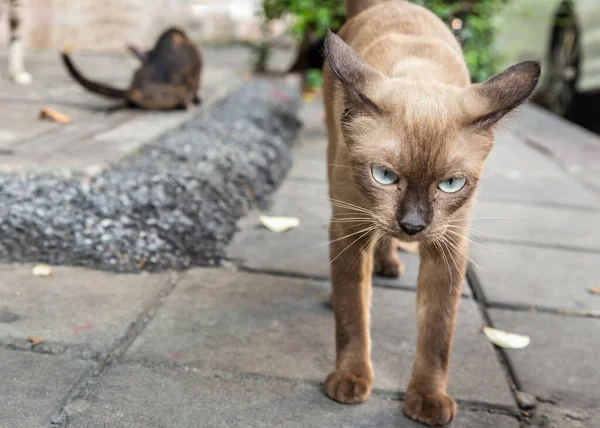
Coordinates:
[168,78]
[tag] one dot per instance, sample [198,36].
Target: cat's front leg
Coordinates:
[441,275]
[351,270]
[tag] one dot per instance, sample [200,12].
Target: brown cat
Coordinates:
[168,78]
[413,133]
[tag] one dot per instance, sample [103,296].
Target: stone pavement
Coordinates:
[100,133]
[248,344]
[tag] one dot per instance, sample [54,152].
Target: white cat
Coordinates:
[16,50]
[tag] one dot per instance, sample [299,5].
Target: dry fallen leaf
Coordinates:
[279,224]
[48,113]
[35,341]
[504,339]
[594,290]
[308,97]
[246,75]
[42,270]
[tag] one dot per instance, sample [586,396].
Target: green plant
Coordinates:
[314,16]
[472,21]
[314,78]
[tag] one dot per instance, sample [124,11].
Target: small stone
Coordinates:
[42,269]
[106,222]
[526,401]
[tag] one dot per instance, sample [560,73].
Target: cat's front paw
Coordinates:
[391,267]
[347,388]
[431,409]
[21,78]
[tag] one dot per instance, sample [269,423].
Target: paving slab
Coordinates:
[275,326]
[516,172]
[309,160]
[537,225]
[310,151]
[79,311]
[561,363]
[302,251]
[100,133]
[132,396]
[519,275]
[572,147]
[34,386]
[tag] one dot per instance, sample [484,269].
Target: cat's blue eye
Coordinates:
[452,184]
[384,176]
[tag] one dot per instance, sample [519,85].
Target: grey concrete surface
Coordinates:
[33,387]
[561,364]
[571,146]
[80,312]
[524,276]
[133,396]
[517,172]
[537,225]
[282,327]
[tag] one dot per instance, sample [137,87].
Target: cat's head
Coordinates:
[417,149]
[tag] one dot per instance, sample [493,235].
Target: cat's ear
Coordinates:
[352,72]
[500,94]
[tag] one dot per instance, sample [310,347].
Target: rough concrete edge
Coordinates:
[220,93]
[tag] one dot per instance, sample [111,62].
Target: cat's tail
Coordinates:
[97,88]
[354,7]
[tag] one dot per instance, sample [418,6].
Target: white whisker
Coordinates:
[344,237]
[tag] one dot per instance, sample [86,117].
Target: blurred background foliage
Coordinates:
[472,21]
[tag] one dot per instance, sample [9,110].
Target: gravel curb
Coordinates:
[174,206]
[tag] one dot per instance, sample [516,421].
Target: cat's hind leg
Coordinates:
[386,261]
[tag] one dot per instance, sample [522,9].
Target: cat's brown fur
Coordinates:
[168,78]
[398,95]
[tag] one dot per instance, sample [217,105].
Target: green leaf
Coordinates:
[476,36]
[314,78]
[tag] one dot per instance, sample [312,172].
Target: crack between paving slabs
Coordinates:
[515,307]
[80,389]
[544,204]
[40,349]
[320,278]
[377,393]
[529,142]
[539,245]
[480,300]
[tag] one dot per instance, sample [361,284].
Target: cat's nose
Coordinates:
[411,228]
